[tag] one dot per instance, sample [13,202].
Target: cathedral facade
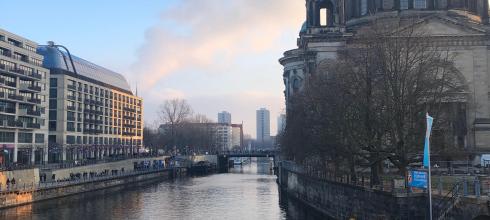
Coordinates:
[461,26]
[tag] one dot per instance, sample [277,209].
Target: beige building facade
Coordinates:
[92,112]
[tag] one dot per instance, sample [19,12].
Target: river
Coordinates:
[248,192]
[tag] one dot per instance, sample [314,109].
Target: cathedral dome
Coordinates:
[303,28]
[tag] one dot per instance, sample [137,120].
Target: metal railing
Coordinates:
[61,183]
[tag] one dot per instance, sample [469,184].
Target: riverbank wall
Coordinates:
[346,201]
[29,194]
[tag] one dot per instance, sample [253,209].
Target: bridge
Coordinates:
[269,153]
[224,156]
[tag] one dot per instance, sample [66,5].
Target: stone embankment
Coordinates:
[33,185]
[340,200]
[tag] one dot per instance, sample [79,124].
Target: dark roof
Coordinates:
[55,59]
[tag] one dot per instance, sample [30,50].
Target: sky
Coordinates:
[217,54]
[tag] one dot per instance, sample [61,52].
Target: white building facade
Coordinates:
[224,117]
[92,112]
[23,102]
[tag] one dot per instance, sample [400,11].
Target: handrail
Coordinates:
[451,198]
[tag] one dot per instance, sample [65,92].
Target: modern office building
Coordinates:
[224,117]
[23,102]
[263,127]
[237,136]
[281,123]
[92,111]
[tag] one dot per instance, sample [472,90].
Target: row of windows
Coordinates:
[71,139]
[52,126]
[4,64]
[9,137]
[18,43]
[93,90]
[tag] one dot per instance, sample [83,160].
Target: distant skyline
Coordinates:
[223,55]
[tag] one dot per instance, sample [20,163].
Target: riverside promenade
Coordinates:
[35,184]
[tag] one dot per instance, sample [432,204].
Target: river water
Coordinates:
[248,192]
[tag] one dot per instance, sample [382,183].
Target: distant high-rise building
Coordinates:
[237,135]
[263,127]
[224,117]
[281,123]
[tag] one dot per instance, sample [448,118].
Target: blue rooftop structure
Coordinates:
[55,59]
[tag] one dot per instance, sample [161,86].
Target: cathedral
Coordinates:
[461,26]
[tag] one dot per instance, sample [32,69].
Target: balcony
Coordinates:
[7,110]
[80,88]
[6,53]
[71,97]
[11,84]
[79,99]
[33,112]
[92,131]
[34,125]
[129,117]
[16,97]
[129,109]
[129,125]
[36,75]
[72,87]
[71,108]
[35,88]
[128,134]
[29,112]
[28,87]
[34,100]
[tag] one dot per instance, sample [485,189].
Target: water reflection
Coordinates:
[247,192]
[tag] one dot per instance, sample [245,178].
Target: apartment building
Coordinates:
[23,102]
[93,113]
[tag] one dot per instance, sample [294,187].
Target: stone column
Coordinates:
[33,155]
[63,153]
[16,140]
[45,154]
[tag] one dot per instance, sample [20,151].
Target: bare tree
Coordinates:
[173,113]
[369,104]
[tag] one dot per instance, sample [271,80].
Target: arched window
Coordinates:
[323,17]
[324,13]
[388,4]
[364,7]
[420,4]
[403,4]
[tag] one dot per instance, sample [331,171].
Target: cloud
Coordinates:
[219,55]
[208,35]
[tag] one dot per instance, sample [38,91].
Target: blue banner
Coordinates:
[427,138]
[417,179]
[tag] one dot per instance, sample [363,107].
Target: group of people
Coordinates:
[9,183]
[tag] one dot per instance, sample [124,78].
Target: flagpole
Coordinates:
[430,191]
[427,160]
